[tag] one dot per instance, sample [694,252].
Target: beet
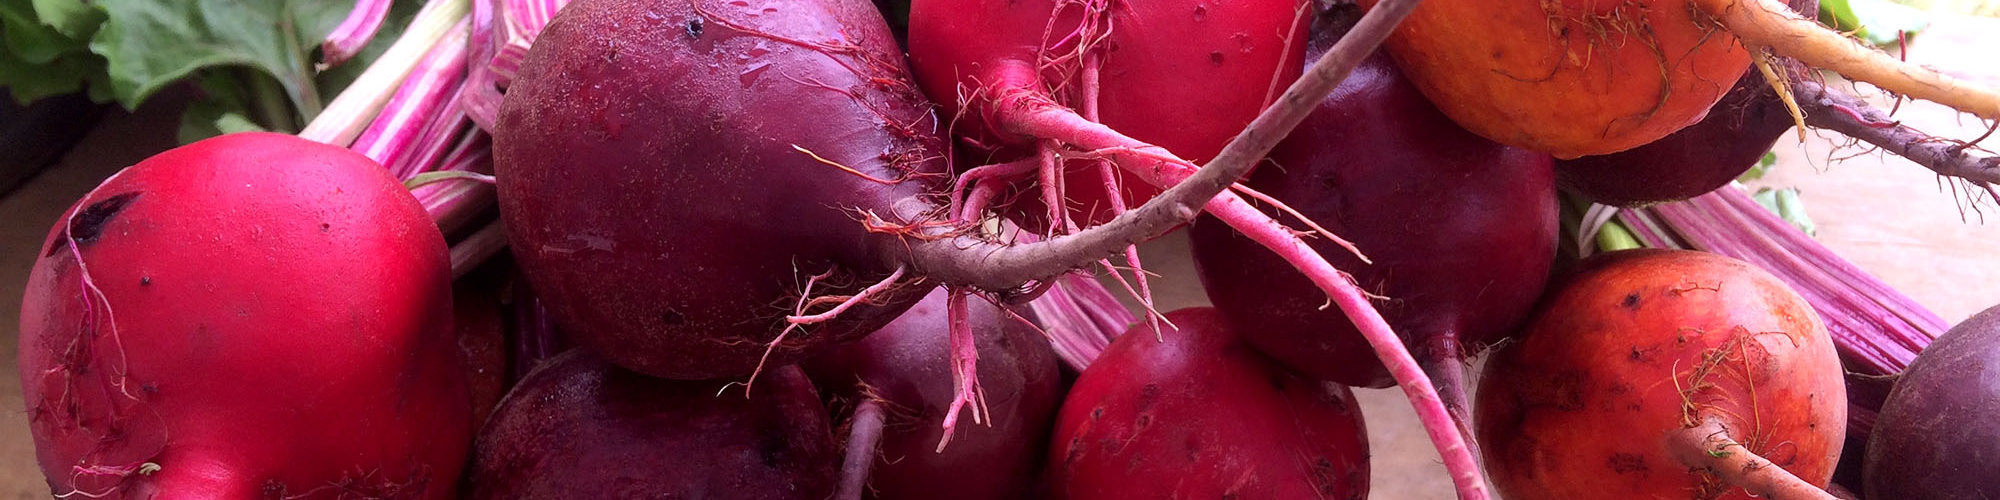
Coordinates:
[1569,77]
[1184,75]
[1624,375]
[904,370]
[667,176]
[1196,413]
[478,319]
[1462,232]
[579,427]
[1935,437]
[1691,162]
[253,315]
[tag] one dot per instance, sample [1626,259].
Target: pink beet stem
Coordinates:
[354,32]
[429,88]
[1042,119]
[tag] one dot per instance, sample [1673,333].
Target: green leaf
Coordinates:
[29,81]
[1787,204]
[1762,167]
[149,44]
[27,39]
[224,107]
[37,60]
[1875,21]
[72,18]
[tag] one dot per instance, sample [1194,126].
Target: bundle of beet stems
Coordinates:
[425,108]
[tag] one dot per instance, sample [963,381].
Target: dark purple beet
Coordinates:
[579,427]
[1697,159]
[1737,132]
[1937,436]
[651,175]
[1462,231]
[905,366]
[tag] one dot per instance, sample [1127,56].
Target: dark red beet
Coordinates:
[653,176]
[905,367]
[1936,436]
[1697,159]
[579,427]
[1202,415]
[1462,231]
[478,317]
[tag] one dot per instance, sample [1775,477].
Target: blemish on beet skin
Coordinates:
[88,223]
[1628,463]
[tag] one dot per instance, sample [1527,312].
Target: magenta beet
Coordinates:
[902,371]
[1196,413]
[249,316]
[671,178]
[1462,232]
[579,427]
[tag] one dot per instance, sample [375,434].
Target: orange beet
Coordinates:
[1568,77]
[1645,343]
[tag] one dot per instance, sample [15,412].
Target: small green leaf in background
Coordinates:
[1762,167]
[223,107]
[72,18]
[38,60]
[1876,21]
[1787,204]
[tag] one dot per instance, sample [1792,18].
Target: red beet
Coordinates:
[1462,232]
[478,319]
[579,427]
[1185,75]
[249,316]
[903,371]
[1196,413]
[671,178]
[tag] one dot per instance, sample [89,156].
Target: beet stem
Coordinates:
[864,438]
[353,33]
[1708,446]
[352,110]
[1444,360]
[1835,110]
[469,253]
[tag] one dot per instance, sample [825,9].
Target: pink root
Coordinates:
[1316,228]
[866,295]
[1033,116]
[985,182]
[964,367]
[799,319]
